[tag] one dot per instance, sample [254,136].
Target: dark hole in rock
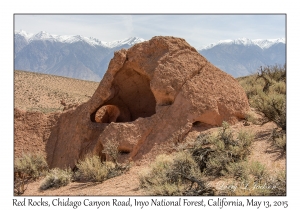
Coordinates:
[133,99]
[123,152]
[197,124]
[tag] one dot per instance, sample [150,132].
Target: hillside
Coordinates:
[44,92]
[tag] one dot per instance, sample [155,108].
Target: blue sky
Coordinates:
[197,29]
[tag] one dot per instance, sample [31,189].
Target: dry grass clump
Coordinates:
[27,168]
[258,170]
[57,178]
[92,169]
[31,165]
[111,149]
[250,117]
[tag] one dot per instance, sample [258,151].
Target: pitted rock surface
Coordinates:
[160,88]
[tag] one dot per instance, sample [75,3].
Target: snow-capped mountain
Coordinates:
[87,58]
[77,38]
[262,43]
[243,56]
[71,56]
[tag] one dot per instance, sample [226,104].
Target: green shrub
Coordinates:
[57,178]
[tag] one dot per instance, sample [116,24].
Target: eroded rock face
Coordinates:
[107,114]
[151,93]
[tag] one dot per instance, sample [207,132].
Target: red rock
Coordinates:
[160,87]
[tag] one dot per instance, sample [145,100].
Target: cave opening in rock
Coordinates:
[133,98]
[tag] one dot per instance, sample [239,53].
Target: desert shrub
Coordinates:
[251,86]
[186,171]
[279,140]
[242,147]
[91,169]
[110,148]
[251,118]
[178,174]
[273,106]
[278,184]
[31,165]
[57,178]
[258,170]
[216,164]
[266,92]
[155,179]
[224,150]
[279,87]
[237,170]
[276,72]
[26,168]
[269,98]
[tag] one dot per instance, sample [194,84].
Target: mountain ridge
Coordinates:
[244,57]
[87,58]
[73,56]
[262,43]
[43,35]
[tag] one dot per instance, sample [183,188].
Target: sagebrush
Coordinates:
[27,168]
[57,178]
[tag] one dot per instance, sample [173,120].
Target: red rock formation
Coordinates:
[31,131]
[107,114]
[161,87]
